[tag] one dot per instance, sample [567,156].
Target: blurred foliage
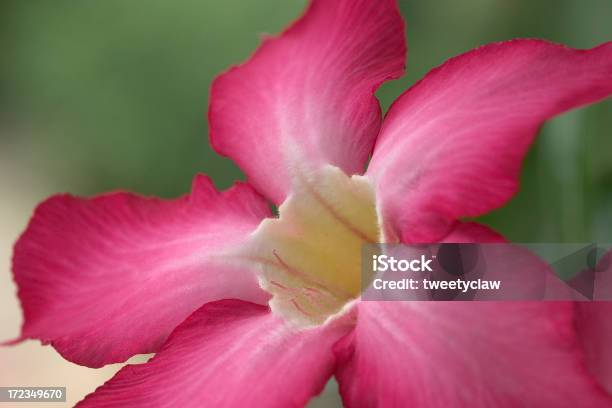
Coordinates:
[112,94]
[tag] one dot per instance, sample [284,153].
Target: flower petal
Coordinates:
[308,95]
[440,354]
[105,278]
[227,354]
[594,323]
[452,145]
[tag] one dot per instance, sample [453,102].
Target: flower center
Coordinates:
[310,256]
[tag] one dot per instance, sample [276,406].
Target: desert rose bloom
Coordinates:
[247,309]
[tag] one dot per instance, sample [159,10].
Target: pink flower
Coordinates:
[106,278]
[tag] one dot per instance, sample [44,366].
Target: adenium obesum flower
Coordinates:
[247,309]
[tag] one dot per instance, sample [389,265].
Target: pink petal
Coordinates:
[308,95]
[594,323]
[452,145]
[105,278]
[443,354]
[227,354]
[524,274]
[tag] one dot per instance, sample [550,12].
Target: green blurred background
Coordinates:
[100,95]
[108,94]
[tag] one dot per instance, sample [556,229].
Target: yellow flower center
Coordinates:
[310,256]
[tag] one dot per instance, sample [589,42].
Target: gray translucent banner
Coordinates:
[32,394]
[487,272]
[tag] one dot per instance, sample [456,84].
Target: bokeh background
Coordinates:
[102,95]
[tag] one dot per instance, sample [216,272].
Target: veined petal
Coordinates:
[228,354]
[105,278]
[452,145]
[465,354]
[308,95]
